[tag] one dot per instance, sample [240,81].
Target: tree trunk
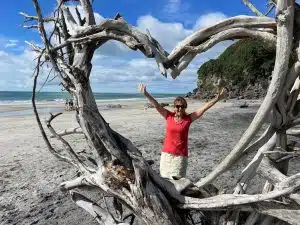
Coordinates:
[118,168]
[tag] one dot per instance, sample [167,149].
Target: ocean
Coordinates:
[19,97]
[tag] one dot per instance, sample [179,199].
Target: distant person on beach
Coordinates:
[174,156]
[69,106]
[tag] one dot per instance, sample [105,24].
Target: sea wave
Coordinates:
[60,100]
[16,102]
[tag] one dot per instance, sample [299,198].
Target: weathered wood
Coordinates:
[252,8]
[118,168]
[69,131]
[283,47]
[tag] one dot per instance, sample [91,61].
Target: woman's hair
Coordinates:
[181,100]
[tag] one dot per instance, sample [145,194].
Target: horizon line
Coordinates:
[98,92]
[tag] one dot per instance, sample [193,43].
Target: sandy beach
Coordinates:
[30,175]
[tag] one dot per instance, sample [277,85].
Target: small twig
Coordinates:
[107,208]
[31,27]
[35,47]
[47,43]
[278,152]
[252,8]
[29,18]
[79,163]
[49,146]
[46,80]
[77,182]
[270,10]
[131,219]
[76,130]
[286,158]
[56,21]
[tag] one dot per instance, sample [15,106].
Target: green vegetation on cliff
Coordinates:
[243,64]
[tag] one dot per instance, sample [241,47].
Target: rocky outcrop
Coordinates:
[255,91]
[246,67]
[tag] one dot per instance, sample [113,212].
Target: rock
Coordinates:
[188,95]
[149,105]
[112,106]
[195,90]
[252,91]
[244,105]
[163,104]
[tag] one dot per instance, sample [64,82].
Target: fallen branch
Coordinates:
[77,182]
[98,213]
[252,8]
[284,45]
[229,200]
[69,131]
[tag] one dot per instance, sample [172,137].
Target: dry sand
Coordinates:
[30,175]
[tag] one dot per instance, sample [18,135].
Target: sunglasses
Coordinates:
[179,106]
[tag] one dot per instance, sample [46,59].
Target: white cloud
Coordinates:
[11,43]
[134,70]
[168,34]
[124,75]
[16,70]
[113,70]
[209,19]
[98,17]
[50,25]
[111,48]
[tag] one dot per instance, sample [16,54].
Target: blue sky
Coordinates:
[115,67]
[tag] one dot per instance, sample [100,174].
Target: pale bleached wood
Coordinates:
[252,8]
[250,170]
[268,170]
[234,22]
[283,47]
[295,197]
[226,200]
[76,183]
[141,190]
[73,155]
[289,216]
[99,214]
[69,131]
[88,11]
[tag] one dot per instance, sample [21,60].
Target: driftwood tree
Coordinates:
[118,168]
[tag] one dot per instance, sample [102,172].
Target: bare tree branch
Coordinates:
[35,18]
[99,214]
[78,182]
[69,131]
[88,11]
[252,8]
[200,35]
[118,167]
[228,34]
[251,168]
[49,146]
[284,45]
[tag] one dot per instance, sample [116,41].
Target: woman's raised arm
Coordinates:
[158,107]
[199,112]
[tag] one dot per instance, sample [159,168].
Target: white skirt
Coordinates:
[173,165]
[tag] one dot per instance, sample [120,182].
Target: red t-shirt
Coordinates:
[176,139]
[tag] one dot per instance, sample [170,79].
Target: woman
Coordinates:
[174,157]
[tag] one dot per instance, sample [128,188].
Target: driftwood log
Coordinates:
[118,168]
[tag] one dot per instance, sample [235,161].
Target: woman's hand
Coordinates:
[142,88]
[222,94]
